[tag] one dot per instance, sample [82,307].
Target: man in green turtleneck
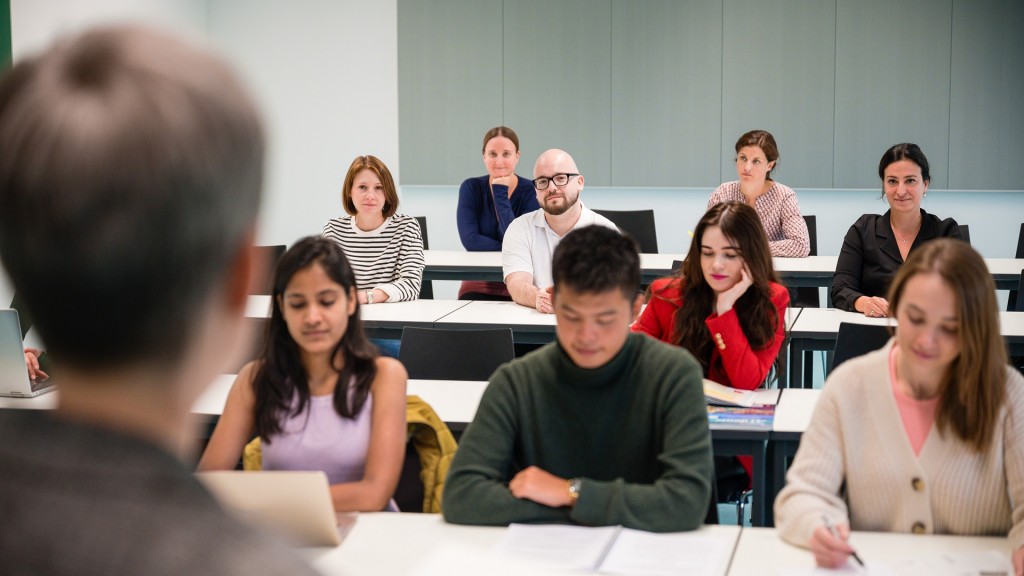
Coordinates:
[600,427]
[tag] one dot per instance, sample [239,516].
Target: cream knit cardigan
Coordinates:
[856,436]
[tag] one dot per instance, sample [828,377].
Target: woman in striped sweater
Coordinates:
[384,248]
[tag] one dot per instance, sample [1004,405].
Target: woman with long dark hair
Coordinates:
[319,396]
[726,306]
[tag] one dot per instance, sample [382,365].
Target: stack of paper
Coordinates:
[716,394]
[616,550]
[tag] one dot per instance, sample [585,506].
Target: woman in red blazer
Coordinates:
[726,306]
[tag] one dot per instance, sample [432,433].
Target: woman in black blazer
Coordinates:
[876,246]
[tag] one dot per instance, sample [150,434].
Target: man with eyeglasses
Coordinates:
[531,239]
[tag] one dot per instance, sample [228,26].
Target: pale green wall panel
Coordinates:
[666,92]
[779,75]
[449,86]
[987,95]
[892,85]
[558,81]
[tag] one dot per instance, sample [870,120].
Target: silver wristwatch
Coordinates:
[574,490]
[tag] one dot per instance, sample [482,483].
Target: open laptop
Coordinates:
[14,380]
[296,505]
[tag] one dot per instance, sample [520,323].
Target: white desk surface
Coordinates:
[479,260]
[454,401]
[461,258]
[1011,324]
[1005,266]
[412,311]
[488,313]
[761,549]
[828,319]
[816,264]
[424,544]
[794,410]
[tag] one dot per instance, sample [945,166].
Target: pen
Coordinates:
[835,533]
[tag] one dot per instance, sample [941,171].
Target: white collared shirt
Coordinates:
[529,244]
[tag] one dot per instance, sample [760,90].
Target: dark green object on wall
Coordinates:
[5,35]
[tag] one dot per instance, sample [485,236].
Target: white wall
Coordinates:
[37,23]
[326,74]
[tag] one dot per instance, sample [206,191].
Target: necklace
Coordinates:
[906,240]
[903,241]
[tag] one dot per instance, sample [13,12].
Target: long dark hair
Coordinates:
[757,315]
[281,375]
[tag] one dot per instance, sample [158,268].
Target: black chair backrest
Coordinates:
[637,223]
[265,260]
[24,318]
[423,231]
[807,296]
[1014,302]
[677,265]
[426,287]
[812,232]
[965,231]
[1016,306]
[855,340]
[433,354]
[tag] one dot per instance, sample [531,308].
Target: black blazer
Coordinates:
[871,255]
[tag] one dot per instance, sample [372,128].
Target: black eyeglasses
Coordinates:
[559,180]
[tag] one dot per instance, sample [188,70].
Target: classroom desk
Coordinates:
[813,271]
[760,550]
[1005,272]
[384,320]
[397,544]
[455,401]
[792,416]
[460,265]
[816,329]
[528,325]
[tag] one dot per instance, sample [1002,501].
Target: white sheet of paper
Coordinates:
[679,553]
[564,546]
[983,563]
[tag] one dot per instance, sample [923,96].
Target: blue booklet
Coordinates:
[753,417]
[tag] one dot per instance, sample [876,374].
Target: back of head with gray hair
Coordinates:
[130,178]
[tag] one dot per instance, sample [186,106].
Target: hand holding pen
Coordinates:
[829,545]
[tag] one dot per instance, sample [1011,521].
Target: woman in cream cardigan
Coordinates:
[925,435]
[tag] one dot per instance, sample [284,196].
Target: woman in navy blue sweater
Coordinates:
[488,204]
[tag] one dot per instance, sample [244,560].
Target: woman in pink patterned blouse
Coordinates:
[775,204]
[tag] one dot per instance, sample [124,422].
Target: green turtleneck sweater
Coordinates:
[634,430]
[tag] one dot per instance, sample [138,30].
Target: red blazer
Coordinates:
[733,363]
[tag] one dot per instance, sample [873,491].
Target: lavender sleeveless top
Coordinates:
[318,438]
